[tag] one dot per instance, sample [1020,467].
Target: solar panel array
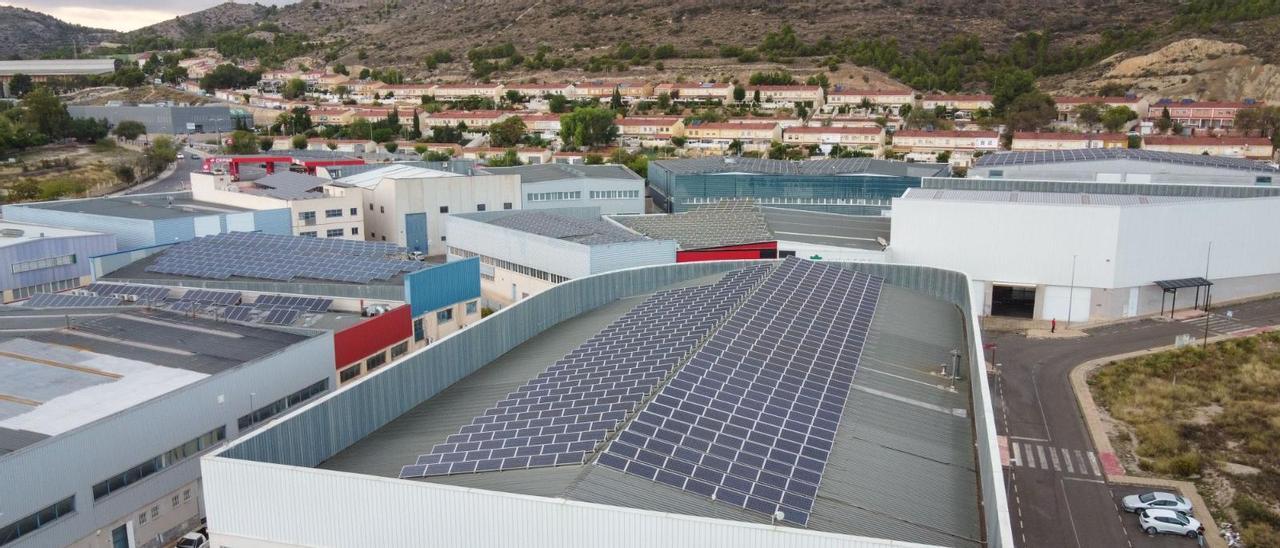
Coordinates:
[211,297]
[144,293]
[751,419]
[283,258]
[564,414]
[1093,154]
[54,300]
[237,313]
[281,316]
[309,304]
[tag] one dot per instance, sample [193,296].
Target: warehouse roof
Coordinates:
[1060,198]
[538,173]
[371,177]
[1097,154]
[763,166]
[57,67]
[902,466]
[287,185]
[726,223]
[12,233]
[150,207]
[580,230]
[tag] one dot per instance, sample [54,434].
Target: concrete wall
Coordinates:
[392,199]
[71,463]
[585,186]
[1122,170]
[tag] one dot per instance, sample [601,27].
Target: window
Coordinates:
[614,194]
[186,493]
[444,238]
[307,216]
[382,209]
[308,234]
[553,196]
[333,233]
[444,209]
[444,315]
[418,332]
[370,207]
[142,518]
[384,238]
[375,360]
[349,373]
[355,231]
[399,350]
[279,406]
[505,265]
[51,287]
[479,207]
[328,213]
[1264,180]
[38,264]
[355,211]
[158,463]
[155,512]
[42,518]
[472,307]
[506,205]
[174,501]
[996,173]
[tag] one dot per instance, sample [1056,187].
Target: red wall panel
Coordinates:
[745,251]
[373,334]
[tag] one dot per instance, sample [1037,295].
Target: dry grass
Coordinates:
[1191,408]
[69,170]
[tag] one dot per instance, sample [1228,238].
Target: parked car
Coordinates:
[192,540]
[1168,521]
[1156,499]
[180,156]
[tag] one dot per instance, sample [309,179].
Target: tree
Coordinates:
[242,142]
[735,146]
[24,190]
[944,157]
[383,134]
[615,101]
[1116,118]
[417,126]
[1088,115]
[228,76]
[1009,85]
[45,113]
[391,147]
[558,103]
[294,89]
[364,74]
[436,156]
[129,130]
[507,133]
[739,93]
[593,159]
[664,100]
[130,77]
[20,84]
[1113,89]
[506,159]
[588,127]
[299,142]
[1165,122]
[755,96]
[777,78]
[87,130]
[339,68]
[162,152]
[265,143]
[819,79]
[1030,112]
[359,128]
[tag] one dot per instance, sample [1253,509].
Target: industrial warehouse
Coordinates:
[848,434]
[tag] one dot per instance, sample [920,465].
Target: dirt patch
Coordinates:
[1193,68]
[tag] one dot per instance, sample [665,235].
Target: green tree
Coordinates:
[588,127]
[20,84]
[739,93]
[45,113]
[383,134]
[391,146]
[1116,118]
[436,156]
[506,159]
[1165,122]
[558,103]
[755,96]
[162,152]
[265,143]
[820,79]
[507,133]
[228,76]
[664,100]
[364,74]
[24,190]
[359,128]
[242,142]
[129,130]
[1030,112]
[339,68]
[87,130]
[1113,89]
[299,142]
[735,146]
[129,76]
[615,101]
[593,159]
[1009,85]
[294,89]
[776,78]
[1088,115]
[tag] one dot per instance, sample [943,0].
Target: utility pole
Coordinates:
[1071,293]
[1204,343]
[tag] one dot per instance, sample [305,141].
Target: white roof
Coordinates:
[31,232]
[57,67]
[1056,198]
[370,179]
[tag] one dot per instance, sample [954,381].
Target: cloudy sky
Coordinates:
[119,14]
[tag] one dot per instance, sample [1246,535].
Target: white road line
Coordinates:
[1017,455]
[1044,462]
[1031,459]
[1093,463]
[1070,515]
[1080,462]
[1025,438]
[1057,466]
[1066,456]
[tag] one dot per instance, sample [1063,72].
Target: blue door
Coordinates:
[415,231]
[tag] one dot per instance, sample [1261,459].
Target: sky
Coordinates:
[120,15]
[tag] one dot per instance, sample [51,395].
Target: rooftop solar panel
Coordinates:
[1012,158]
[53,300]
[142,293]
[283,258]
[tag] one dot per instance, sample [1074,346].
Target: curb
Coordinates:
[1097,432]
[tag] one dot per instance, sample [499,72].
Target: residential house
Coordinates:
[1201,114]
[711,137]
[474,119]
[960,103]
[540,90]
[454,92]
[545,124]
[1253,148]
[1036,141]
[963,145]
[406,91]
[1066,105]
[786,95]
[891,99]
[650,128]
[698,91]
[860,138]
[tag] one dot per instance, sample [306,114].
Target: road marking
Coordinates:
[1057,467]
[1025,438]
[1036,387]
[1066,457]
[1017,457]
[1093,463]
[1070,516]
[1080,461]
[1022,454]
[1031,459]
[1044,463]
[1087,480]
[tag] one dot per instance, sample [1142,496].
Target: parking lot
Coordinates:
[1139,538]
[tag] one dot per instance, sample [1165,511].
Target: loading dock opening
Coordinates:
[1015,301]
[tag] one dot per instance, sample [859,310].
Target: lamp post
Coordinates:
[1071,293]
[1204,343]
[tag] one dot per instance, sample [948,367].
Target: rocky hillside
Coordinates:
[25,33]
[228,15]
[1194,67]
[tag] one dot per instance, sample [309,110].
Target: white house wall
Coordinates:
[566,259]
[392,199]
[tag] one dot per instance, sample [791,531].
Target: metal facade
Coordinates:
[441,286]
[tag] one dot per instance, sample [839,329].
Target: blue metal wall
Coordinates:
[415,232]
[673,190]
[83,247]
[130,233]
[271,221]
[441,286]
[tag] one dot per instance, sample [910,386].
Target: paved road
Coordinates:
[178,180]
[853,231]
[1057,494]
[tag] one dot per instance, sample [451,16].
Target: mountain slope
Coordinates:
[228,15]
[27,33]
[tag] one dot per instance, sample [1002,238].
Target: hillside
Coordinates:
[26,33]
[228,15]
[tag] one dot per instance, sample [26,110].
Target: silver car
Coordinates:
[1157,500]
[1168,521]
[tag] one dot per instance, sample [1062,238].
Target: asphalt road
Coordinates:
[1057,494]
[852,231]
[180,179]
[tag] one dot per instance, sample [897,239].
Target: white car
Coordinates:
[1168,521]
[180,156]
[1158,500]
[193,540]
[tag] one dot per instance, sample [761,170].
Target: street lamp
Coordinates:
[1071,293]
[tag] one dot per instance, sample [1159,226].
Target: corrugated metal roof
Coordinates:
[764,166]
[537,173]
[1094,154]
[582,231]
[371,178]
[287,185]
[1060,198]
[726,223]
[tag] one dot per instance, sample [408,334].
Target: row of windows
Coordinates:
[553,196]
[330,233]
[158,463]
[614,194]
[155,510]
[38,264]
[51,287]
[505,265]
[279,406]
[43,518]
[328,213]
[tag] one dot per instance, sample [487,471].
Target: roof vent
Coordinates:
[11,232]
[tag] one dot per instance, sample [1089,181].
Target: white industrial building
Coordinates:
[407,204]
[319,208]
[1124,165]
[1091,251]
[612,188]
[523,253]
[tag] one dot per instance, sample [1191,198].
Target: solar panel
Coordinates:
[281,317]
[143,293]
[283,258]
[53,300]
[564,414]
[309,304]
[751,418]
[211,297]
[186,306]
[237,313]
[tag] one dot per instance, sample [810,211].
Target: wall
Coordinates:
[83,247]
[245,498]
[585,185]
[106,264]
[1129,170]
[162,119]
[392,199]
[559,257]
[607,257]
[371,335]
[748,251]
[129,233]
[38,475]
[441,286]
